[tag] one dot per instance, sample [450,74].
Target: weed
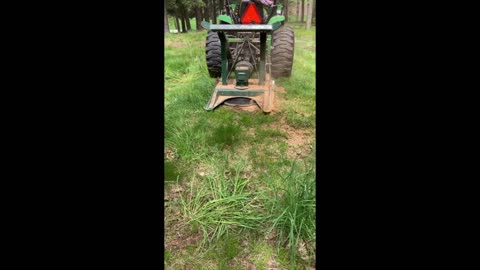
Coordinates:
[223,204]
[171,172]
[294,208]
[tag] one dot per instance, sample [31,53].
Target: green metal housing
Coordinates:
[225,19]
[275,19]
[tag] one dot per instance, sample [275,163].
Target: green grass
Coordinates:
[240,175]
[222,203]
[225,135]
[294,209]
[171,172]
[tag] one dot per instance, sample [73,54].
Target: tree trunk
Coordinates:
[205,13]
[285,13]
[187,20]
[166,29]
[303,9]
[198,18]
[184,27]
[177,24]
[309,14]
[298,10]
[314,10]
[214,9]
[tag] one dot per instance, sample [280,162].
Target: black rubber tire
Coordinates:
[213,54]
[283,42]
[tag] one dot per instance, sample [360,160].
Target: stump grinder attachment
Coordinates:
[260,90]
[238,46]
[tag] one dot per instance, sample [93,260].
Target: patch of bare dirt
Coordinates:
[272,264]
[299,140]
[245,262]
[174,192]
[168,153]
[271,237]
[302,250]
[299,144]
[277,102]
[202,170]
[178,237]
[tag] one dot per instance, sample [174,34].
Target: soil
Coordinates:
[168,154]
[176,237]
[299,140]
[272,264]
[174,192]
[277,102]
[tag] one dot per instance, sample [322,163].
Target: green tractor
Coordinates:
[237,47]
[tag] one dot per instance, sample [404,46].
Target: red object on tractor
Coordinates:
[251,15]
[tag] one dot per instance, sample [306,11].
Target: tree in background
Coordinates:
[206,17]
[198,7]
[185,10]
[298,10]
[214,12]
[181,11]
[314,9]
[166,29]
[309,14]
[172,10]
[285,12]
[302,11]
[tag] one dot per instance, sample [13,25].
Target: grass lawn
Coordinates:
[239,185]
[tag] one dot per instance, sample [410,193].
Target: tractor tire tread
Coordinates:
[213,54]
[283,46]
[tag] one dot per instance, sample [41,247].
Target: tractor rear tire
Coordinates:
[213,53]
[283,41]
